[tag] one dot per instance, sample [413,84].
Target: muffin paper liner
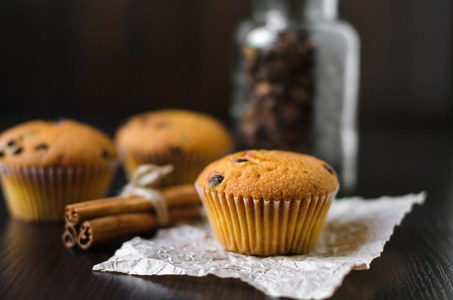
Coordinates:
[41,193]
[265,227]
[187,166]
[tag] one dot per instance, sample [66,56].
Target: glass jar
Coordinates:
[296,81]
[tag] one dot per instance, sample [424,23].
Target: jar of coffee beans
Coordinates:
[296,79]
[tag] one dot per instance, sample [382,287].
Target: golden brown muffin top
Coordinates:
[174,130]
[269,174]
[60,143]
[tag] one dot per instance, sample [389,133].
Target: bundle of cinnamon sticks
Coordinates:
[93,223]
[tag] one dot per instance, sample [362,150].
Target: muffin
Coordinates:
[187,140]
[264,202]
[45,165]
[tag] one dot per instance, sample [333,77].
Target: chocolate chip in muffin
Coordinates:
[239,160]
[10,143]
[105,153]
[17,150]
[41,147]
[175,150]
[2,153]
[215,181]
[328,168]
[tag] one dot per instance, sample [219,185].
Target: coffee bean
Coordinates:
[299,95]
[279,91]
[215,181]
[279,70]
[263,88]
[239,160]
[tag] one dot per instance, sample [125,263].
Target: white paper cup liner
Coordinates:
[187,166]
[41,193]
[265,227]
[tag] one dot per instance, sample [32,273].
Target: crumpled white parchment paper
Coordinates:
[354,233]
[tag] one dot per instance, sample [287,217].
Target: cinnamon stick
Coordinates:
[78,212]
[98,231]
[69,235]
[101,230]
[95,222]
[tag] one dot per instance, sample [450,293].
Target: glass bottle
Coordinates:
[296,79]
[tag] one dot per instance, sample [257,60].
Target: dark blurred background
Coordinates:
[99,59]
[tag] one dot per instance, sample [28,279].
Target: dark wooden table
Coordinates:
[417,263]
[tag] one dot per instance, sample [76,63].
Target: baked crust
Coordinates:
[61,143]
[269,175]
